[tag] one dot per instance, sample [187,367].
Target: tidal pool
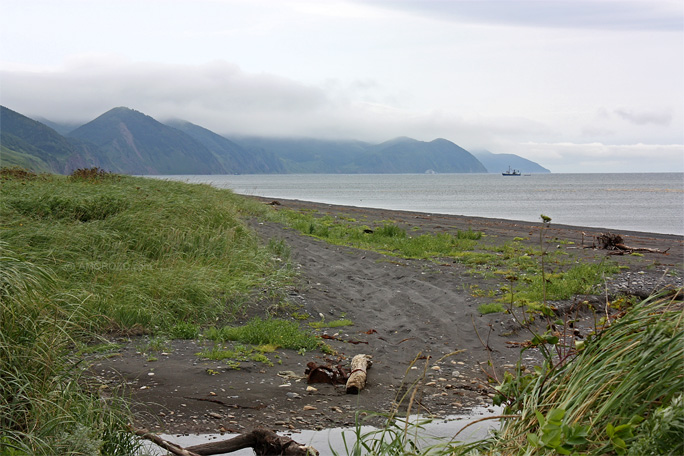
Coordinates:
[338,439]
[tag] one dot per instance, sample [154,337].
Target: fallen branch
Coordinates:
[609,241]
[168,446]
[262,441]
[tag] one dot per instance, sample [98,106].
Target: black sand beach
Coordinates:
[417,318]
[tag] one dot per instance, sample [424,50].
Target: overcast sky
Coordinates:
[575,85]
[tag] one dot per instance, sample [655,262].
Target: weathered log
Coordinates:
[168,446]
[357,379]
[609,241]
[263,441]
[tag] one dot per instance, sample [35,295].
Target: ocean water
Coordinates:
[648,202]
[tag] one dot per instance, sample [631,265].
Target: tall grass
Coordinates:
[621,394]
[44,409]
[140,254]
[93,253]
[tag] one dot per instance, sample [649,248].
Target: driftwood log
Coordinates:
[357,378]
[614,242]
[262,441]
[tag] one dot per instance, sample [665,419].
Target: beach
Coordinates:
[418,319]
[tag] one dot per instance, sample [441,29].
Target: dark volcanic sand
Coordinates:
[401,309]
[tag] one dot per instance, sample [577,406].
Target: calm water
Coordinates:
[650,202]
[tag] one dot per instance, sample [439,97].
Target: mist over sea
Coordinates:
[648,202]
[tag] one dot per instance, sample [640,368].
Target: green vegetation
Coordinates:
[235,355]
[386,238]
[539,275]
[331,324]
[492,307]
[95,253]
[271,331]
[44,407]
[620,392]
[140,255]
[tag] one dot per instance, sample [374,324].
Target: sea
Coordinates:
[646,202]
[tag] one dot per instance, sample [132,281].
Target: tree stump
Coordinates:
[357,379]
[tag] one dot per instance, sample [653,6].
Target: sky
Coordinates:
[575,85]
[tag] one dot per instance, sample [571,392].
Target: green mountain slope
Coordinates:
[400,155]
[497,163]
[31,144]
[234,158]
[309,155]
[138,144]
[406,155]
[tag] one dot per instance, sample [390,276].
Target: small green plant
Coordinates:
[555,435]
[488,308]
[469,234]
[184,330]
[331,324]
[272,331]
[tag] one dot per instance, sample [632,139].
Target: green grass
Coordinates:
[386,238]
[271,331]
[622,391]
[141,255]
[44,407]
[492,307]
[95,253]
[331,324]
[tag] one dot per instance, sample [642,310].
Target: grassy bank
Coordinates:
[139,255]
[94,254]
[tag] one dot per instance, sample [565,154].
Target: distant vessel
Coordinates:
[511,172]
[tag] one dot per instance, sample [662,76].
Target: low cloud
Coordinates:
[222,97]
[663,117]
[607,158]
[580,14]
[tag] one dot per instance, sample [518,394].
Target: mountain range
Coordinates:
[126,141]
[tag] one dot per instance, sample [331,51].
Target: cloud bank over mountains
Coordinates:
[574,85]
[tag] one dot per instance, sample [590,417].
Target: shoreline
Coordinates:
[476,221]
[405,312]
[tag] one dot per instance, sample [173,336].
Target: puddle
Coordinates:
[323,441]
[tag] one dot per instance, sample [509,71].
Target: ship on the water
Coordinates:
[511,172]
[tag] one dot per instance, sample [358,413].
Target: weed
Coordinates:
[331,324]
[272,331]
[493,307]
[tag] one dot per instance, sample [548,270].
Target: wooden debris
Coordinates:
[262,441]
[357,379]
[615,243]
[335,375]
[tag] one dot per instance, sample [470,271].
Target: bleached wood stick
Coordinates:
[357,379]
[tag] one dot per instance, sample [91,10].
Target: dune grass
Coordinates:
[621,393]
[45,407]
[95,253]
[141,255]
